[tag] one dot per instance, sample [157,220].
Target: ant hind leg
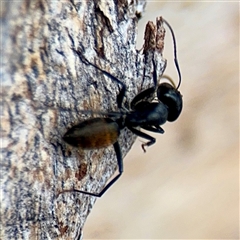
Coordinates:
[120,171]
[123,90]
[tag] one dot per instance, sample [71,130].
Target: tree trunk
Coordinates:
[45,85]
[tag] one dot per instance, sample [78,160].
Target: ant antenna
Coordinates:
[175,52]
[169,79]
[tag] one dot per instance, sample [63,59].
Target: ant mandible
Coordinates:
[144,113]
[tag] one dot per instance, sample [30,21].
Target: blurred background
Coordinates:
[186,186]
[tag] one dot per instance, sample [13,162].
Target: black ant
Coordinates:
[145,113]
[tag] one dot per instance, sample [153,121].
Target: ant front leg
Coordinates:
[151,139]
[148,94]
[156,129]
[155,74]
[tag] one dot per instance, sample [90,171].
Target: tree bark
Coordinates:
[44,88]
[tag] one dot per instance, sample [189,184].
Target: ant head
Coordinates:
[172,98]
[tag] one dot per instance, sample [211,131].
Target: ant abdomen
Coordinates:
[93,133]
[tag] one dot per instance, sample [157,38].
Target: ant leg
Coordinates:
[154,75]
[156,129]
[120,170]
[151,139]
[110,114]
[145,95]
[148,94]
[122,92]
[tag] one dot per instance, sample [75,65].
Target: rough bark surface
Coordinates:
[44,88]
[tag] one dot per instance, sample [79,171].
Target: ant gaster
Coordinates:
[144,112]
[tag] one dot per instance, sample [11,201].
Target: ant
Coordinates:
[144,112]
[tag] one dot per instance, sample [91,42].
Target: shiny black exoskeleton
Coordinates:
[149,110]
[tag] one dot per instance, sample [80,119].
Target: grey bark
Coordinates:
[44,88]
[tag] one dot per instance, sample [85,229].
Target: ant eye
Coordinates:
[172,98]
